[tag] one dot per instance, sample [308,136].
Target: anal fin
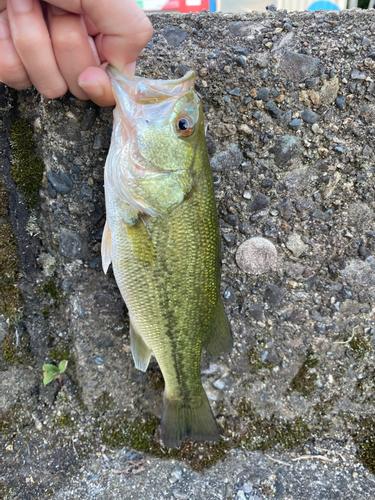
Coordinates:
[220,340]
[140,350]
[106,248]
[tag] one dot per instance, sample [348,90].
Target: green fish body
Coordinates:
[162,238]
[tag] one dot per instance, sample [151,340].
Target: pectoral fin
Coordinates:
[106,248]
[141,243]
[220,340]
[140,350]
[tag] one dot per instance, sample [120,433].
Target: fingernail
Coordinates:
[56,11]
[22,5]
[4,30]
[93,89]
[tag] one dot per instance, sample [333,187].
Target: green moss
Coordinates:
[304,381]
[255,361]
[364,439]
[65,420]
[60,351]
[27,167]
[15,351]
[142,434]
[261,434]
[360,343]
[10,296]
[50,287]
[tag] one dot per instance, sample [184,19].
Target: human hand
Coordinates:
[42,44]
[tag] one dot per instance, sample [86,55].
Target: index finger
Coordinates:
[125,27]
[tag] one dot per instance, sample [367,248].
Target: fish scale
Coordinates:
[167,265]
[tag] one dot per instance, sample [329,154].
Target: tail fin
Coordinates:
[181,419]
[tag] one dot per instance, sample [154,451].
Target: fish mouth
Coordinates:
[143,90]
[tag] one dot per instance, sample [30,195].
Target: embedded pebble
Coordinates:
[309,116]
[60,181]
[296,245]
[256,256]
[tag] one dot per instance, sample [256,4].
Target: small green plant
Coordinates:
[51,372]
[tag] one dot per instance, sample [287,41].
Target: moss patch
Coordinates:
[258,434]
[15,350]
[142,434]
[364,439]
[304,381]
[360,343]
[27,167]
[10,297]
[6,491]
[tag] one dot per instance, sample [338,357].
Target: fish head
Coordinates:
[158,125]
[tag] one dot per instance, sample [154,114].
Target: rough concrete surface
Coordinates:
[289,101]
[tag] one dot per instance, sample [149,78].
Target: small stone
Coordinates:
[241,495]
[256,312]
[329,91]
[296,245]
[286,148]
[60,181]
[267,183]
[96,263]
[298,67]
[225,130]
[303,204]
[245,129]
[232,219]
[89,119]
[230,239]
[98,142]
[310,83]
[295,124]
[340,101]
[285,119]
[241,61]
[259,202]
[236,92]
[357,75]
[316,129]
[247,488]
[262,94]
[309,116]
[245,228]
[174,35]
[227,160]
[286,209]
[273,110]
[211,144]
[256,256]
[203,72]
[72,245]
[339,149]
[273,295]
[230,295]
[177,474]
[243,51]
[86,191]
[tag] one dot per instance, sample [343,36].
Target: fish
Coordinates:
[162,237]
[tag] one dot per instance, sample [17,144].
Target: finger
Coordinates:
[3,4]
[125,27]
[12,71]
[33,44]
[92,30]
[74,49]
[95,82]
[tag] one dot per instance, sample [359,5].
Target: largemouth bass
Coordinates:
[162,238]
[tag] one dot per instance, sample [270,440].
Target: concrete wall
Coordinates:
[289,102]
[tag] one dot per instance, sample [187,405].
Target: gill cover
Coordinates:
[151,159]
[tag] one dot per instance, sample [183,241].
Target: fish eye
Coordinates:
[185,126]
